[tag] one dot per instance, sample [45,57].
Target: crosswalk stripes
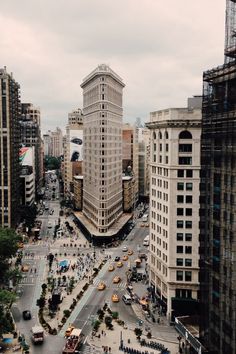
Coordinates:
[34,257]
[30,279]
[119,285]
[90,350]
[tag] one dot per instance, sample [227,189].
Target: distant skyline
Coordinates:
[159,48]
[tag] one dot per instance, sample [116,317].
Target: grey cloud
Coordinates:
[159,48]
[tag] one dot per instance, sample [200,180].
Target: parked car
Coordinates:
[125,249]
[26,315]
[117,258]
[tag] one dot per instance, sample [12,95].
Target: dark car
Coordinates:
[26,315]
[117,258]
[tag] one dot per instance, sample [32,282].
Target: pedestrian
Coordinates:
[102,332]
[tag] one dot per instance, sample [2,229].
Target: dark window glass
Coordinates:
[189,199]
[180,198]
[188,276]
[180,173]
[188,212]
[185,147]
[180,186]
[180,211]
[185,160]
[185,134]
[188,262]
[188,249]
[179,275]
[188,224]
[180,224]
[179,236]
[179,249]
[179,262]
[189,173]
[188,237]
[189,186]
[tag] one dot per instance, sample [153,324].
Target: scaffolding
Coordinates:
[218,195]
[230,30]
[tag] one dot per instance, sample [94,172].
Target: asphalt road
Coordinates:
[29,288]
[95,299]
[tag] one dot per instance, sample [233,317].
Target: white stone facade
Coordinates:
[174,204]
[102,108]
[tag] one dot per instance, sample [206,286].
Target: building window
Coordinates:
[160,147]
[179,249]
[185,160]
[188,249]
[167,159]
[185,147]
[180,198]
[180,224]
[189,173]
[189,186]
[188,276]
[185,134]
[160,159]
[188,237]
[180,173]
[167,147]
[180,186]
[179,275]
[188,212]
[179,236]
[188,262]
[180,211]
[188,224]
[179,262]
[188,199]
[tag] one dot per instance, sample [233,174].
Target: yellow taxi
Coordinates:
[130,252]
[69,330]
[111,268]
[25,268]
[115,298]
[125,258]
[101,286]
[119,264]
[116,280]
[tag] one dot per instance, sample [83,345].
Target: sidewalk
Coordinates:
[112,338]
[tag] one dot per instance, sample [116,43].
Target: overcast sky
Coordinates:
[159,47]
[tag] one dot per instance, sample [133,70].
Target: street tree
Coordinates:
[8,248]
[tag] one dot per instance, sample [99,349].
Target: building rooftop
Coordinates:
[102,69]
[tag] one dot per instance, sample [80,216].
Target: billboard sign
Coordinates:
[76,145]
[26,156]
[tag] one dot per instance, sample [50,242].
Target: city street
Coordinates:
[34,255]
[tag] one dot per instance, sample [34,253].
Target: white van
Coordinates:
[127,299]
[49,224]
[146,241]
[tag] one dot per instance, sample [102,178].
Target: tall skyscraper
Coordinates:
[174,209]
[218,196]
[102,109]
[30,136]
[9,149]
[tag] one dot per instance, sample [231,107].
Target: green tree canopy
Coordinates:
[8,248]
[8,243]
[7,298]
[52,163]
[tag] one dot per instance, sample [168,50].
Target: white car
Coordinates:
[125,249]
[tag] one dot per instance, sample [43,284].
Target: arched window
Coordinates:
[185,134]
[160,135]
[166,135]
[154,136]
